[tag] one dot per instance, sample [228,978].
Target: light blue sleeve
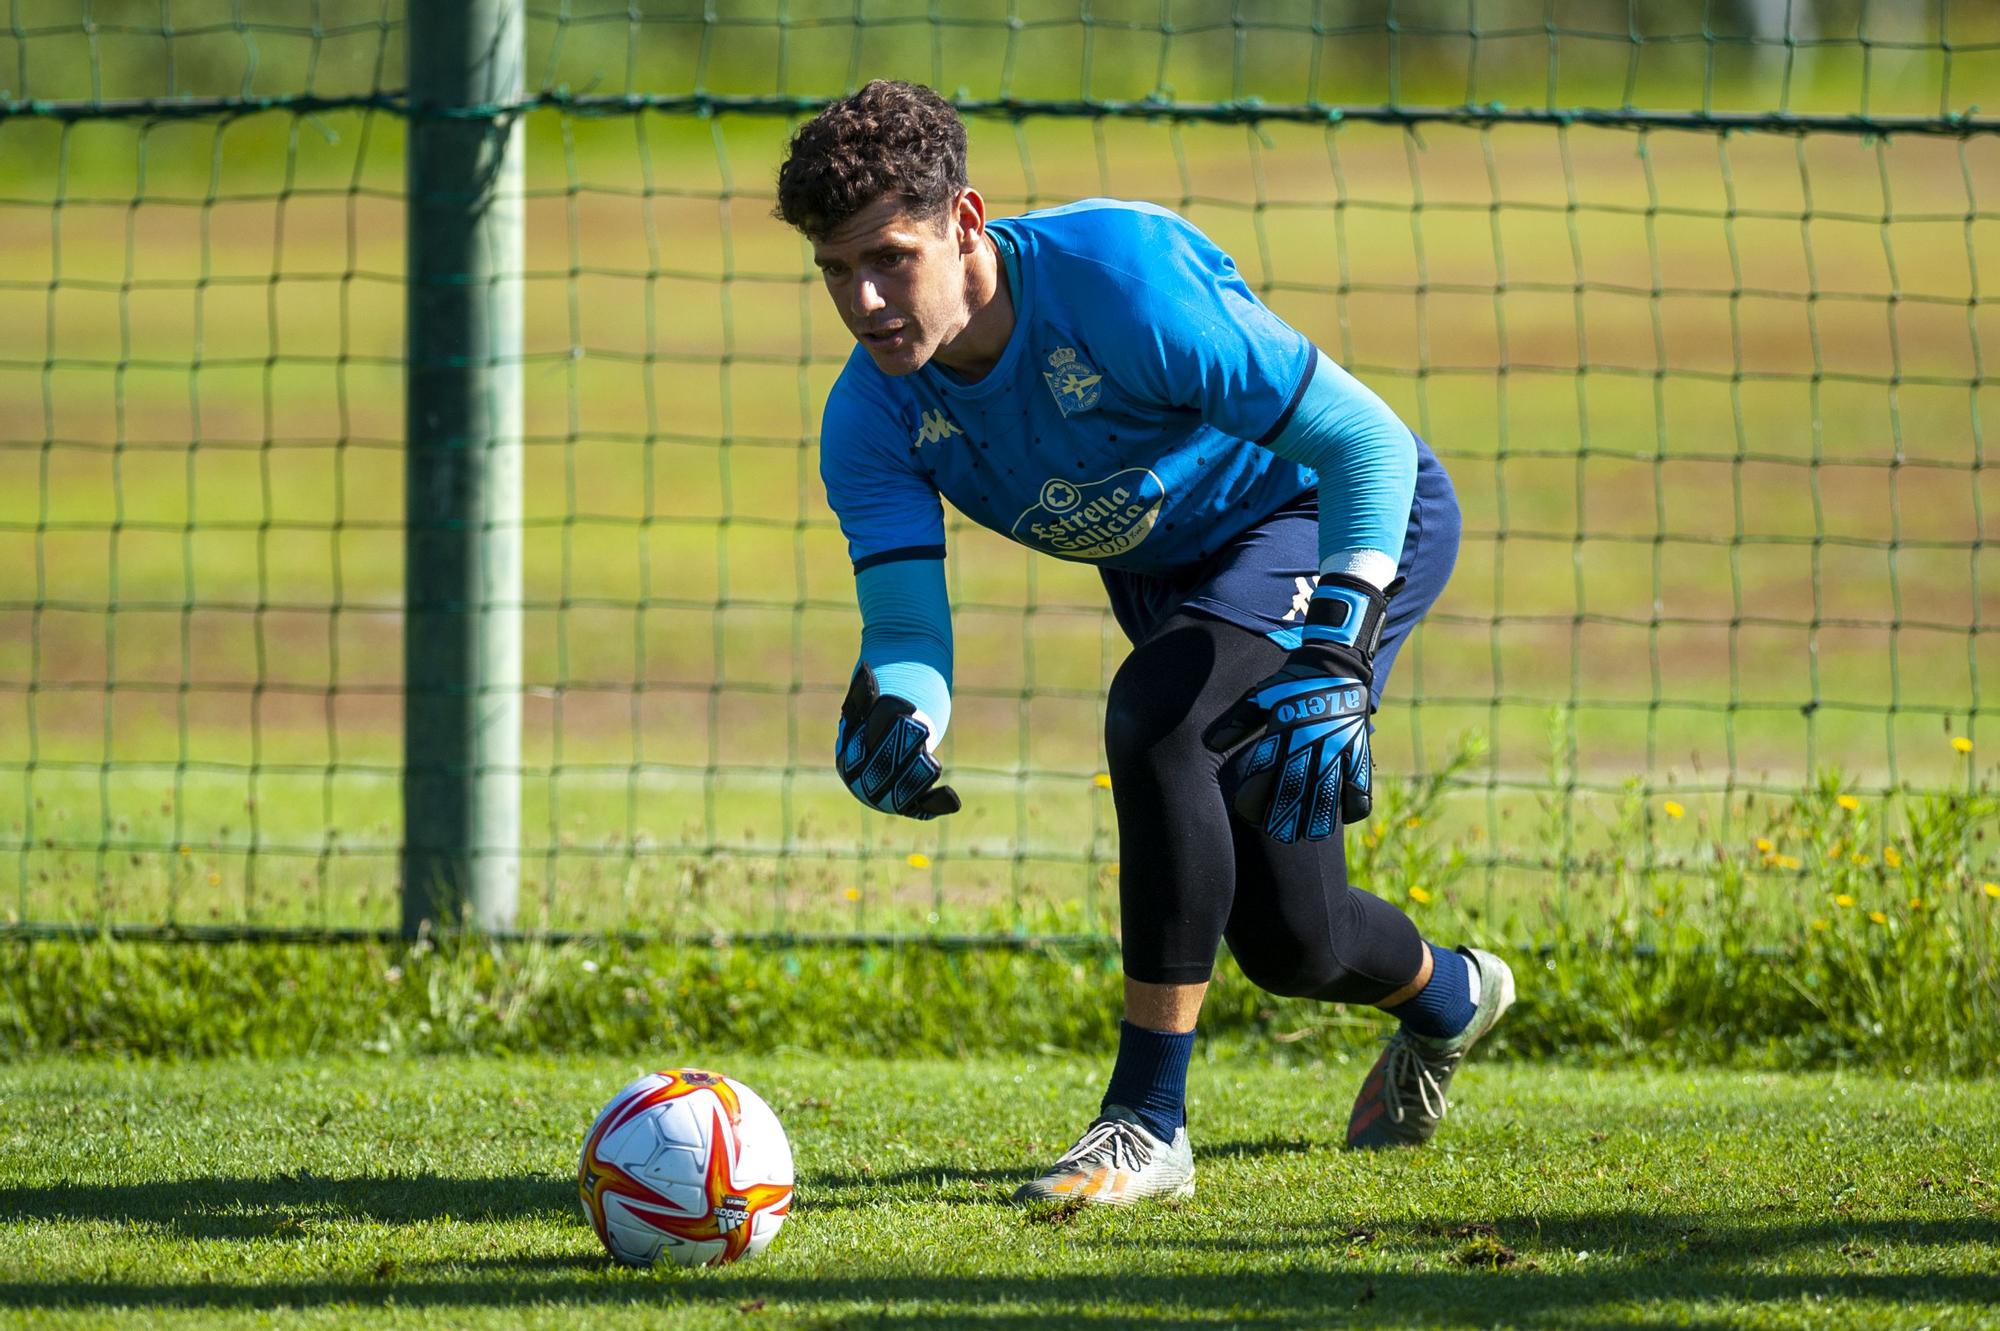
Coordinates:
[906,633]
[887,511]
[1366,459]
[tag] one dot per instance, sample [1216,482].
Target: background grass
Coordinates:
[1820,933]
[1714,407]
[440,1192]
[1707,535]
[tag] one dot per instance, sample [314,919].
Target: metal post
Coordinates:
[462,579]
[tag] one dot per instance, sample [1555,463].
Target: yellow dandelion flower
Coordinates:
[1858,860]
[1102,781]
[1892,857]
[1822,925]
[1916,903]
[1961,743]
[918,860]
[1765,845]
[214,879]
[1990,889]
[1788,861]
[852,894]
[1843,901]
[1413,823]
[1675,809]
[1849,803]
[1878,917]
[1420,896]
[187,850]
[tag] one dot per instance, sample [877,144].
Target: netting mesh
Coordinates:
[1687,296]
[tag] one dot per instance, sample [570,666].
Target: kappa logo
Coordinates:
[1302,598]
[1075,385]
[935,429]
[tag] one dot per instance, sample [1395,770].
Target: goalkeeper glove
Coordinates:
[1304,768]
[883,752]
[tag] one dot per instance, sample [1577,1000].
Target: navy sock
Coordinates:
[1444,1007]
[1150,1077]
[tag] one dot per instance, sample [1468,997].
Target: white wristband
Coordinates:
[1371,566]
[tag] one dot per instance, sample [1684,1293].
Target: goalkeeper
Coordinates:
[1098,383]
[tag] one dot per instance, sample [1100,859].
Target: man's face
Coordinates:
[898,282]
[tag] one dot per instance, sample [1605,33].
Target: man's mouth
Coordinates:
[885,339]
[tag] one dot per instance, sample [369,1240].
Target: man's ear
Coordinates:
[969,217]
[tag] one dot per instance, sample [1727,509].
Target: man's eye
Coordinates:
[890,260]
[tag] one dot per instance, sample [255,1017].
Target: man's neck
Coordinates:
[979,345]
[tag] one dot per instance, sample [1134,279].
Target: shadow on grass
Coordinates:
[1291,1298]
[834,1190]
[1634,1240]
[262,1208]
[1643,1262]
[246,1208]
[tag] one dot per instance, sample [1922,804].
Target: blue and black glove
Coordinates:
[1304,768]
[883,753]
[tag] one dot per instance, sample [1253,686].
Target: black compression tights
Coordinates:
[1191,875]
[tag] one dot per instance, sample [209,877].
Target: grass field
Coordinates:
[1700,736]
[441,1193]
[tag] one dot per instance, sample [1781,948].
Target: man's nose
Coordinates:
[867,299]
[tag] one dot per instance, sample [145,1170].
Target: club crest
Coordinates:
[1075,385]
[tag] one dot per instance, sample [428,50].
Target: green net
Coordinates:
[1688,296]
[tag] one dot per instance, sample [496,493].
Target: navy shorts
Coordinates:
[1263,577]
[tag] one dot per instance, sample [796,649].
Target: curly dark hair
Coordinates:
[890,138]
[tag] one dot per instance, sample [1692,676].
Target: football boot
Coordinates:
[1114,1163]
[1402,1099]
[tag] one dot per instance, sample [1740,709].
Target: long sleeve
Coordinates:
[1366,459]
[906,634]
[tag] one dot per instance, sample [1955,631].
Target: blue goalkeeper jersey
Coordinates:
[1121,425]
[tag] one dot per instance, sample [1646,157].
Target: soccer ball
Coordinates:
[687,1164]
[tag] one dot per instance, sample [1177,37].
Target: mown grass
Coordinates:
[440,1192]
